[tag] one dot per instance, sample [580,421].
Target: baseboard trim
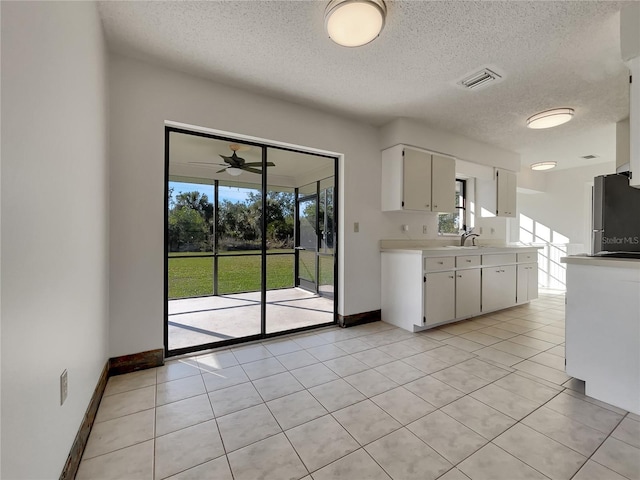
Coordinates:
[113,366]
[79,443]
[359,318]
[136,361]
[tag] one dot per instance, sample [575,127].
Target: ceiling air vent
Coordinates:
[480,79]
[589,157]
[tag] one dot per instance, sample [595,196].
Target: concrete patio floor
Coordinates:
[202,320]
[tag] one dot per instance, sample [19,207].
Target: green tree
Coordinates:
[187,230]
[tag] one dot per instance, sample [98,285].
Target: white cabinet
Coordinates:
[420,291]
[506,193]
[467,292]
[497,197]
[498,287]
[416,180]
[439,297]
[527,282]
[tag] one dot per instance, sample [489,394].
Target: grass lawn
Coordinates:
[193,277]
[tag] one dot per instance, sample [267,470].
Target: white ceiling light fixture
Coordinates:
[543,165]
[353,23]
[234,172]
[550,118]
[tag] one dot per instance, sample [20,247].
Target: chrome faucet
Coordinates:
[469,234]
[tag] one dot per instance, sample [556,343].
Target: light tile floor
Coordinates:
[485,398]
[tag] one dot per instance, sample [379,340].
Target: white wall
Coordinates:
[564,209]
[54,228]
[143,98]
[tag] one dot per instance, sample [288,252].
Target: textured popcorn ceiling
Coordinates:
[551,54]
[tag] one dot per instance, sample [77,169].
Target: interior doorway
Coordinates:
[250,240]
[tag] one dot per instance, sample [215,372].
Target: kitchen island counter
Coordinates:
[603,328]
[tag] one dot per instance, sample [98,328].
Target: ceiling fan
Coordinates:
[234,165]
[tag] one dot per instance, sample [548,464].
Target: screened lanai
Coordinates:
[249,254]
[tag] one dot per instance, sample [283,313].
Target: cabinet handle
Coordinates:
[427,205]
[435,206]
[450,276]
[468,261]
[440,263]
[498,271]
[459,276]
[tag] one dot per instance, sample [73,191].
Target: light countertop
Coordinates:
[601,261]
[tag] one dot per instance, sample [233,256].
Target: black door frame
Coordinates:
[263,334]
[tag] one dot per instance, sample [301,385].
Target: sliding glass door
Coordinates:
[249,241]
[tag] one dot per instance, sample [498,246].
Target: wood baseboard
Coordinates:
[113,366]
[359,318]
[136,361]
[77,448]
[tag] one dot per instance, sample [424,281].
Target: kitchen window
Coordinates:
[453,223]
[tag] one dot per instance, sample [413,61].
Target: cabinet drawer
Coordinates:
[499,259]
[468,261]
[527,257]
[436,264]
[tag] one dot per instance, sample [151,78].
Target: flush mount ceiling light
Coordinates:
[550,118]
[543,165]
[353,23]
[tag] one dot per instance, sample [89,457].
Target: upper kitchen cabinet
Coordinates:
[497,197]
[416,180]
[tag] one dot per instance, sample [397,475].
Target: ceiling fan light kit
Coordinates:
[550,118]
[353,23]
[543,166]
[234,172]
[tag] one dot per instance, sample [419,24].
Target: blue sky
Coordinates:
[233,194]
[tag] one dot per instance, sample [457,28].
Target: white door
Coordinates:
[443,188]
[416,180]
[439,297]
[467,293]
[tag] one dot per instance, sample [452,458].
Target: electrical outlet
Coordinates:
[64,387]
[424,229]
[356,227]
[405,228]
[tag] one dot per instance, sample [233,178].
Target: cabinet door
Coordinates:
[443,189]
[498,287]
[467,293]
[527,288]
[416,180]
[532,281]
[522,290]
[506,193]
[439,297]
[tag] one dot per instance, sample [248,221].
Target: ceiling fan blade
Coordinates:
[250,169]
[208,164]
[252,164]
[223,170]
[271,164]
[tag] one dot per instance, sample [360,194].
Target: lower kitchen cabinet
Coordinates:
[467,292]
[439,297]
[527,282]
[421,291]
[498,287]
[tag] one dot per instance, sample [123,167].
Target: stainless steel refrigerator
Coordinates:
[616,216]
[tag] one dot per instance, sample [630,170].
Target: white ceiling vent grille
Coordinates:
[480,79]
[589,157]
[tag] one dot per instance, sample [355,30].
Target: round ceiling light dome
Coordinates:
[353,23]
[234,172]
[550,118]
[543,165]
